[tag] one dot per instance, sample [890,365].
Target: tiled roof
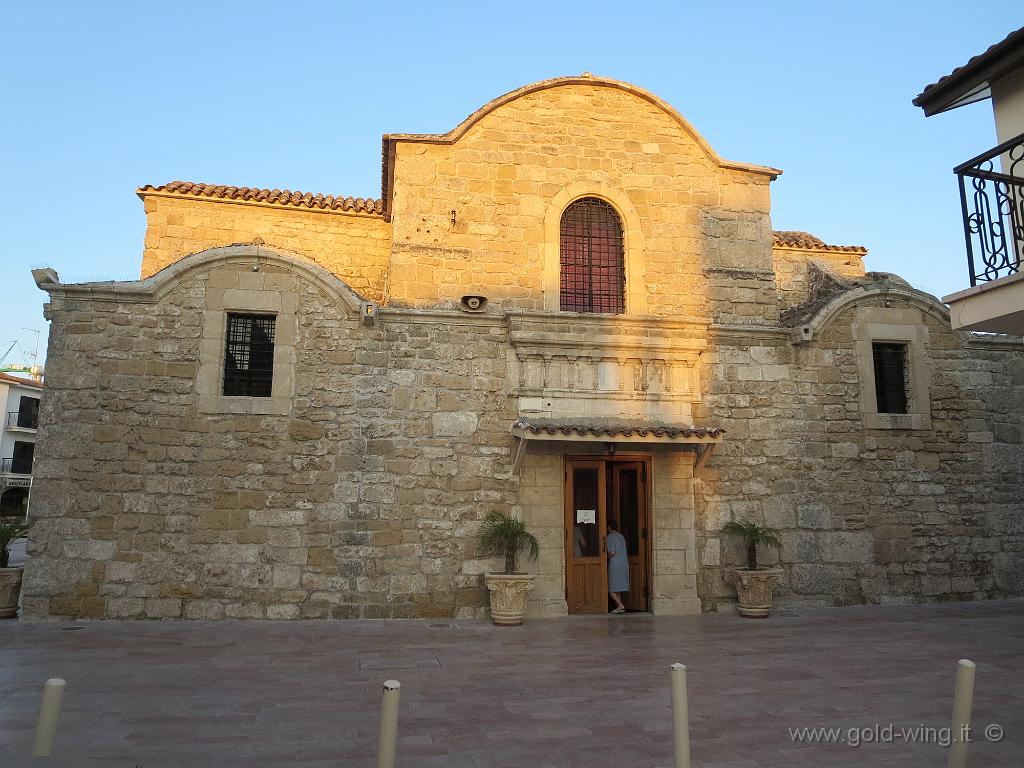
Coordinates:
[975,62]
[807,241]
[24,382]
[599,429]
[272,196]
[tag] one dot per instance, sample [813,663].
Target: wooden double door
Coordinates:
[596,491]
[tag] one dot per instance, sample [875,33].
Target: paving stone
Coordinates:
[585,691]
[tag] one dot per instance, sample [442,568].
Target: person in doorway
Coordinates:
[579,541]
[618,566]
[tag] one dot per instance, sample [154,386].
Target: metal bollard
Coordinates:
[963,698]
[387,741]
[49,711]
[680,716]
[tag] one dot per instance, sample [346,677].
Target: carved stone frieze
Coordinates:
[568,365]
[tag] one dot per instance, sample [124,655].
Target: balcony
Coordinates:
[16,467]
[22,421]
[993,212]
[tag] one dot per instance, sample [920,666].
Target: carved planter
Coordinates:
[10,590]
[508,597]
[754,589]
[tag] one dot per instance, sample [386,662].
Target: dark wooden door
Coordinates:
[629,500]
[586,573]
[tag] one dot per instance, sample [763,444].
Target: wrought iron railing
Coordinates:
[993,209]
[16,467]
[22,420]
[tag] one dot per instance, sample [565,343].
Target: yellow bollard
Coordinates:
[49,711]
[680,716]
[388,739]
[963,698]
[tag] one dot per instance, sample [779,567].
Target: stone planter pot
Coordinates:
[10,590]
[754,589]
[508,597]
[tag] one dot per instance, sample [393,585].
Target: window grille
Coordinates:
[249,356]
[593,276]
[890,377]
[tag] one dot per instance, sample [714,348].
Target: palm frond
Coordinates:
[502,534]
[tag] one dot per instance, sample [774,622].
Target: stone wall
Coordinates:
[352,246]
[868,515]
[793,270]
[505,176]
[360,502]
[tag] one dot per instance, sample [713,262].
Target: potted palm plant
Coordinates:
[503,534]
[10,578]
[754,585]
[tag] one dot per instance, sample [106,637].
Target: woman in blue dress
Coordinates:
[618,566]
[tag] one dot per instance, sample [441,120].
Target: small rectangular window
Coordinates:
[890,376]
[249,355]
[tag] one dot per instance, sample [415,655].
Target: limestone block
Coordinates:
[204,609]
[125,607]
[846,546]
[454,424]
[812,579]
[935,585]
[90,550]
[162,608]
[53,576]
[286,611]
[814,515]
[800,547]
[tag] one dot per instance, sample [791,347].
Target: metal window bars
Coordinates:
[593,277]
[249,355]
[890,362]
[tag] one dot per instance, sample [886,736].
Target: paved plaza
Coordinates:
[578,692]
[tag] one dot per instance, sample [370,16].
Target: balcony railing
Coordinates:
[16,467]
[993,209]
[22,420]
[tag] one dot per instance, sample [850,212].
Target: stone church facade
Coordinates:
[569,308]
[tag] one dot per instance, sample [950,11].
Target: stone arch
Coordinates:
[810,329]
[632,241]
[589,80]
[159,284]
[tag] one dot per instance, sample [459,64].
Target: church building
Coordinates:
[569,308]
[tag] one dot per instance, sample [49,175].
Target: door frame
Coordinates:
[647,460]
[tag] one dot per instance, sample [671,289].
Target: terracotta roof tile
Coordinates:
[17,380]
[598,429]
[271,196]
[975,61]
[807,241]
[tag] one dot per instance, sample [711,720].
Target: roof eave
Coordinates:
[973,81]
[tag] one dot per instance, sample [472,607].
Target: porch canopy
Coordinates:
[701,440]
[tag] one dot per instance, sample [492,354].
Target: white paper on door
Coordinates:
[586,515]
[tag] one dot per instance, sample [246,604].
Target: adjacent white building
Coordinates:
[17,443]
[991,188]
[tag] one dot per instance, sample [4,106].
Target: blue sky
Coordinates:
[99,98]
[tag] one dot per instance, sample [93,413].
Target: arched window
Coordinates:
[593,275]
